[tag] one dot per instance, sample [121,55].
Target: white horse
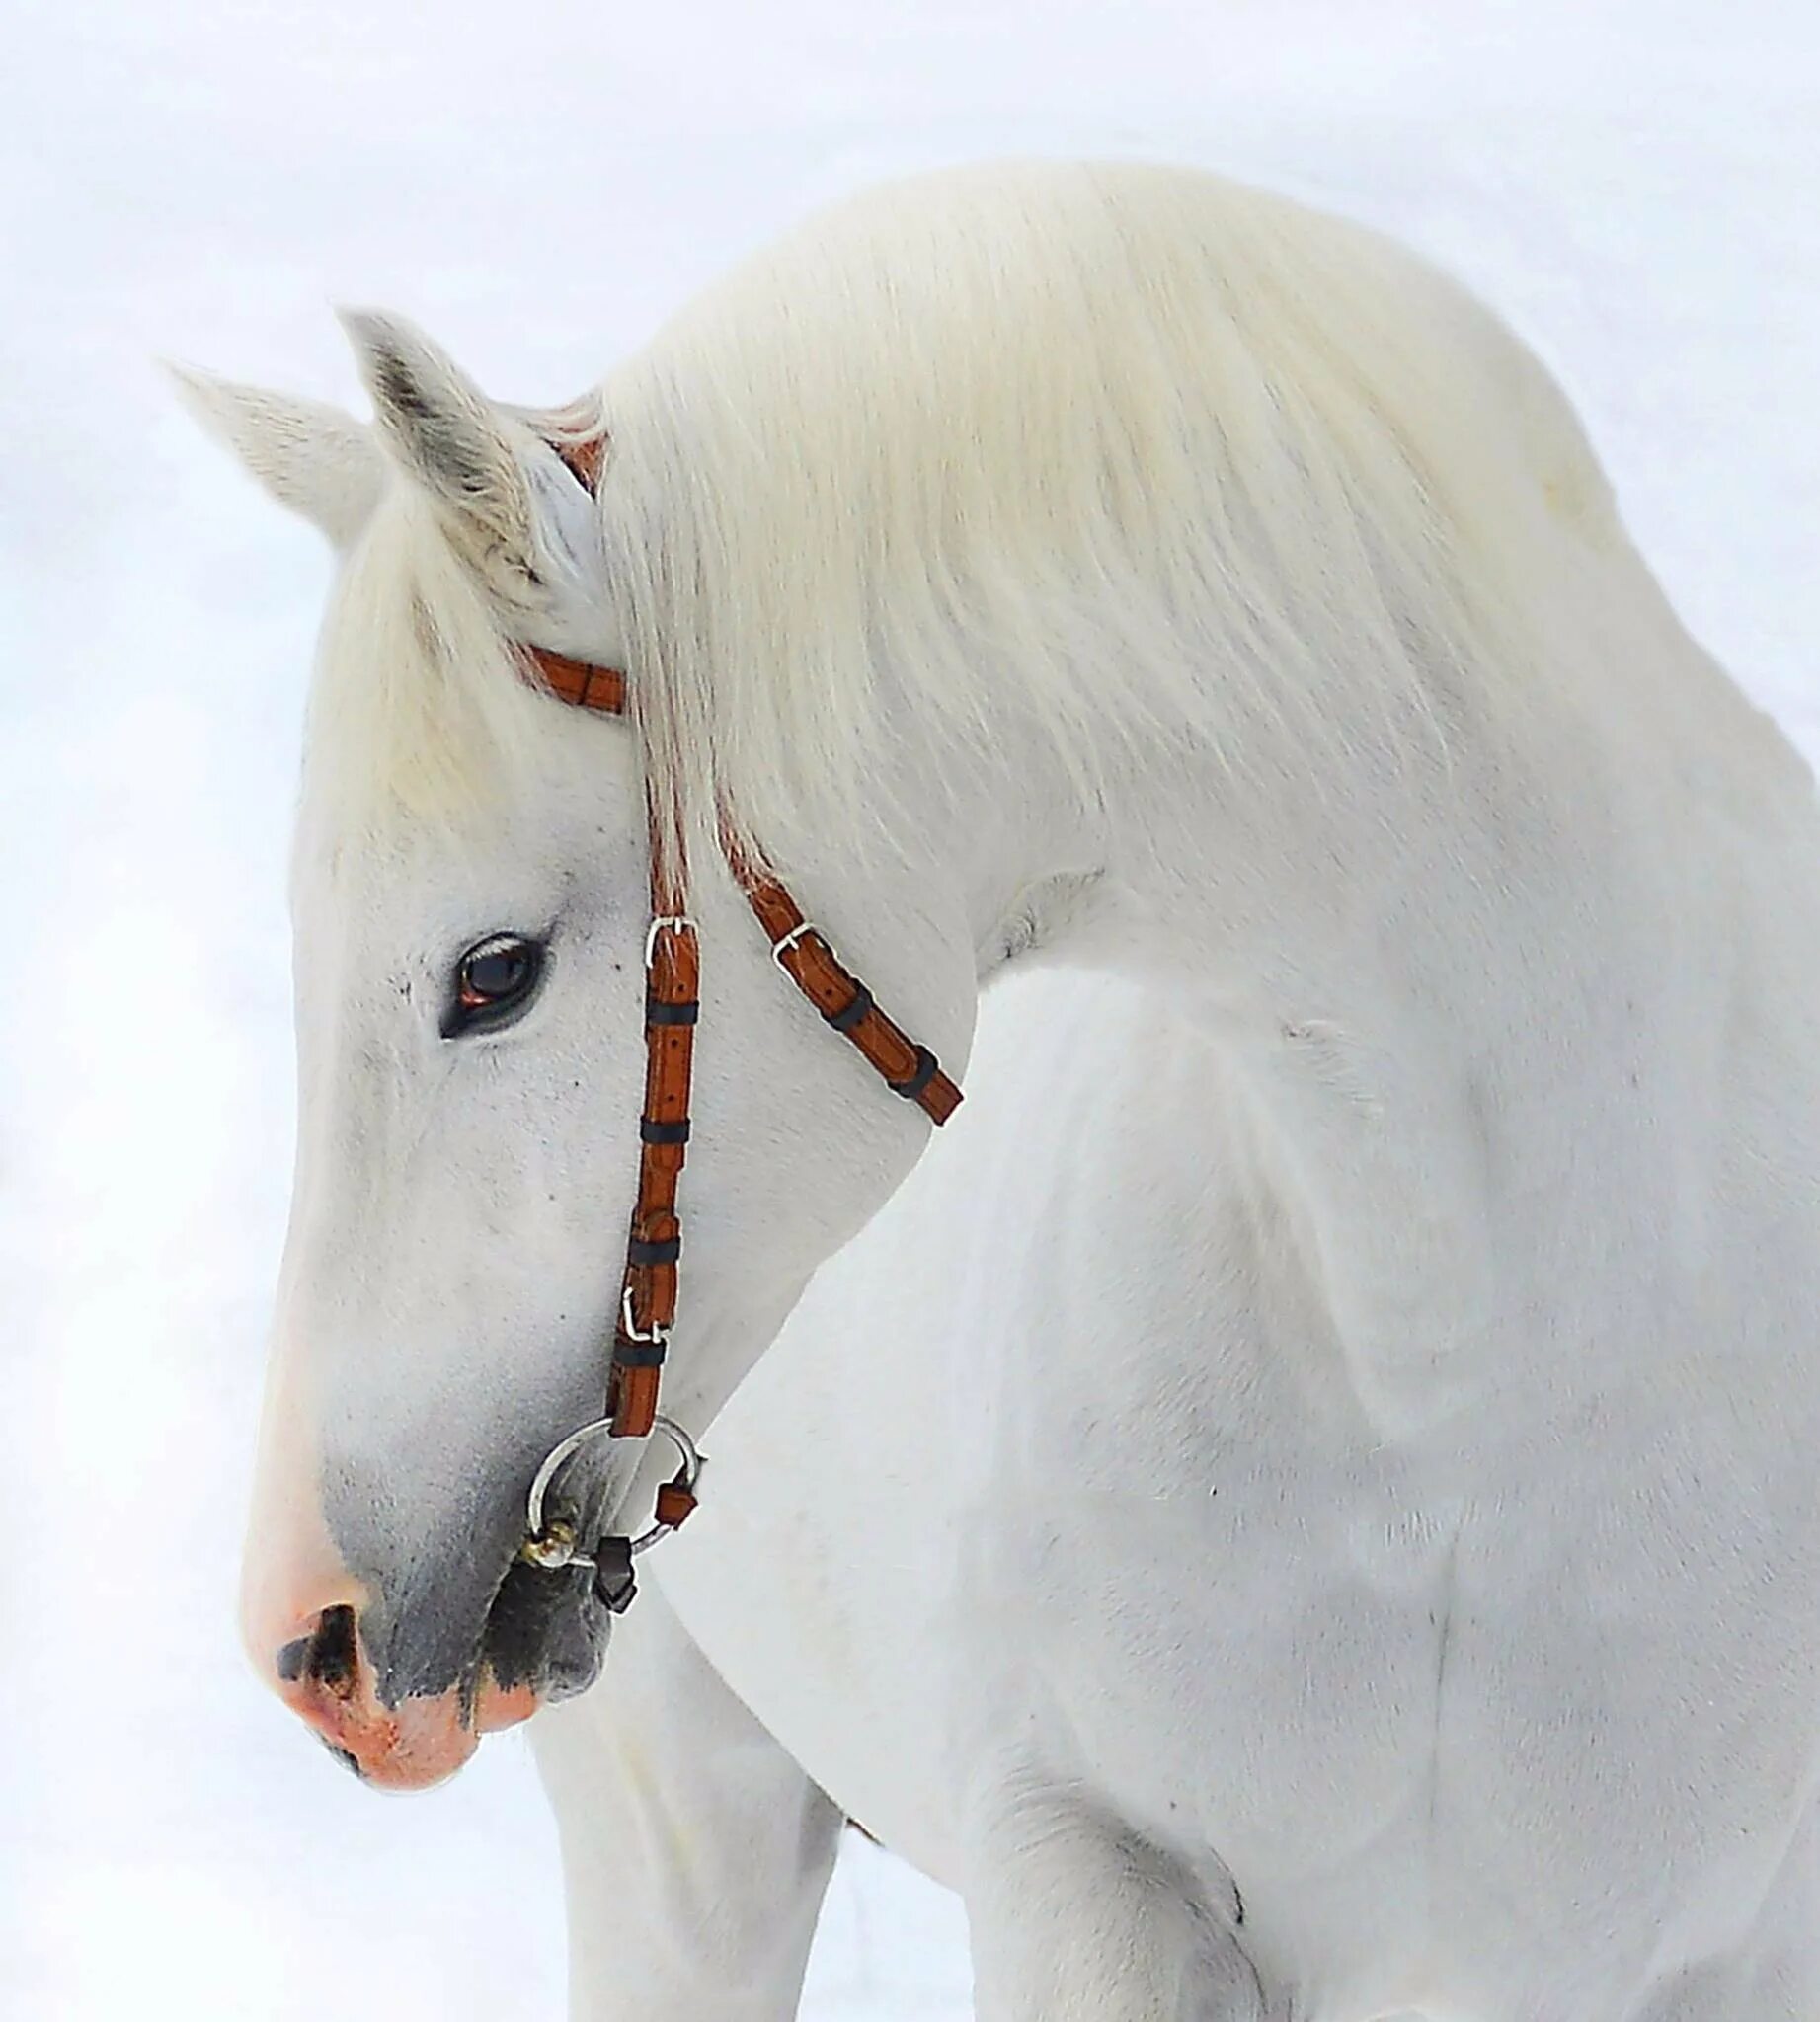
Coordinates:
[1308,1504]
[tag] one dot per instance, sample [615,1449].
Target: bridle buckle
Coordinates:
[659,1333]
[787,940]
[670,922]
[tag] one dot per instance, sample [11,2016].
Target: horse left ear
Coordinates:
[486,474]
[310,457]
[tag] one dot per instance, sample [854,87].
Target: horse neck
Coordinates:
[1425,964]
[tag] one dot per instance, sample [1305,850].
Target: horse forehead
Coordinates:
[351,882]
[358,864]
[368,826]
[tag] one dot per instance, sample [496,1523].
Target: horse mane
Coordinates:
[1107,450]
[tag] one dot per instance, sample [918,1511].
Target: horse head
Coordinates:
[473,935]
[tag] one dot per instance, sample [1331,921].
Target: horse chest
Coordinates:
[1256,1661]
[1411,1699]
[1421,1734]
[1320,1671]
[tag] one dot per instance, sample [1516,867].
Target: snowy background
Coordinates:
[1636,184]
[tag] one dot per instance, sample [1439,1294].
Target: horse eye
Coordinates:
[494,980]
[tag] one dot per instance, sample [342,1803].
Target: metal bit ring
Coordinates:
[555,1545]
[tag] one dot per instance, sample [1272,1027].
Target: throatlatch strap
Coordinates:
[906,1068]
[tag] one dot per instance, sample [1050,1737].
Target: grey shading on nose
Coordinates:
[437,1559]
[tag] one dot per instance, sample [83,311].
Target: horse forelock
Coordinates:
[417,713]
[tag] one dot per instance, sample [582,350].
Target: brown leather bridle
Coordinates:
[654,1245]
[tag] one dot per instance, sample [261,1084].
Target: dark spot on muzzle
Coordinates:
[329,1654]
[346,1760]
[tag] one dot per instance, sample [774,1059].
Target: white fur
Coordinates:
[1332,1437]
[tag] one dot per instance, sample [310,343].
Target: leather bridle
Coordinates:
[647,1308]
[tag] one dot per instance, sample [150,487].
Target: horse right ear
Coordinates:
[311,457]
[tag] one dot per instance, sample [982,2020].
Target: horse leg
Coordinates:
[1076,1919]
[696,1852]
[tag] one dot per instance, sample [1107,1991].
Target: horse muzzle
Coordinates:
[359,1675]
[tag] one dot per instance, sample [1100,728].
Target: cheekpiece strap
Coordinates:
[654,1244]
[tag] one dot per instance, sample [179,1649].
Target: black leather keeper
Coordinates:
[656,1012]
[654,1253]
[852,1011]
[928,1067]
[614,1583]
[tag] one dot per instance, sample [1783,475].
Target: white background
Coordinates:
[1634,183]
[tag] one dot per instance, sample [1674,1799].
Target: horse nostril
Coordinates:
[329,1656]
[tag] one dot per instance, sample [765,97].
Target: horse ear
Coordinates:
[310,457]
[471,457]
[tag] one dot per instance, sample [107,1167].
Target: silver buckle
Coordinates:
[790,940]
[672,922]
[628,1327]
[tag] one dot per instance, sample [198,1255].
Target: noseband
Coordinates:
[654,1245]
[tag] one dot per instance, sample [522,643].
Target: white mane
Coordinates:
[1001,442]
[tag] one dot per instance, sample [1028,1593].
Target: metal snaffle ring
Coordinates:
[557,1546]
